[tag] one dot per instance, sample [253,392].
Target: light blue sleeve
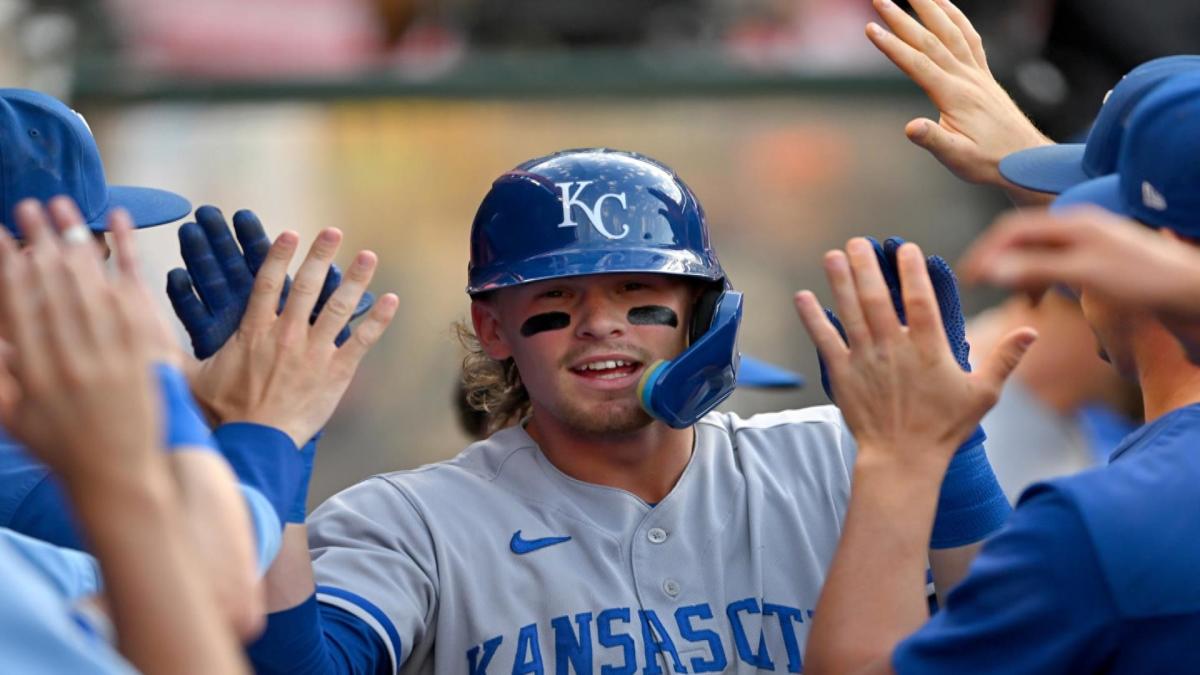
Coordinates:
[268,531]
[39,631]
[72,573]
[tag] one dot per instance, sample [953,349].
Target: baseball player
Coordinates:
[620,525]
[82,352]
[50,150]
[1094,572]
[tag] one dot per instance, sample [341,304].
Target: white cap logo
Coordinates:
[82,119]
[1152,198]
[571,199]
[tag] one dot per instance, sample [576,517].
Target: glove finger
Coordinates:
[887,265]
[825,384]
[253,238]
[283,294]
[333,279]
[366,302]
[229,255]
[364,305]
[945,286]
[207,277]
[192,314]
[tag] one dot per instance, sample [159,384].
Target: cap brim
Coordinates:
[1047,168]
[1104,192]
[146,206]
[759,374]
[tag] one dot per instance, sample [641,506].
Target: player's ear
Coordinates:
[486,321]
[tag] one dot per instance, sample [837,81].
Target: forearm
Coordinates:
[1022,198]
[218,523]
[874,594]
[950,566]
[164,613]
[290,580]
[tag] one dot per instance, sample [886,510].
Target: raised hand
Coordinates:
[978,122]
[1113,257]
[279,370]
[900,387]
[78,390]
[210,296]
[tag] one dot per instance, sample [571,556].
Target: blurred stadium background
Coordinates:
[389,118]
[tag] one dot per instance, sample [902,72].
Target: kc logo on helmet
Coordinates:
[570,199]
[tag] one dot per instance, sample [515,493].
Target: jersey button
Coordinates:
[656,535]
[671,587]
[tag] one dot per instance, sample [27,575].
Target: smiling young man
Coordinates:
[620,525]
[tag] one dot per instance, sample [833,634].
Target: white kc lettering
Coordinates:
[570,199]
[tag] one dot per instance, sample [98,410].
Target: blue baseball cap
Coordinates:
[759,374]
[47,149]
[1055,168]
[1158,170]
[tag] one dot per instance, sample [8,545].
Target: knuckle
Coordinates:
[366,334]
[306,286]
[268,285]
[922,65]
[929,44]
[338,306]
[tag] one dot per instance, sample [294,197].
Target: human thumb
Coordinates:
[1004,359]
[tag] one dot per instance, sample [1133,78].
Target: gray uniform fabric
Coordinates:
[1028,442]
[721,576]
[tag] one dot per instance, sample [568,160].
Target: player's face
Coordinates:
[581,344]
[1113,327]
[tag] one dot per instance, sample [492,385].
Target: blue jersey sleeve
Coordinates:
[318,639]
[45,514]
[31,500]
[1035,601]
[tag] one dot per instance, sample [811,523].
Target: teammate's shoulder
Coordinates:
[1129,512]
[820,415]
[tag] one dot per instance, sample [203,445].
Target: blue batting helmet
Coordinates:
[600,211]
[590,211]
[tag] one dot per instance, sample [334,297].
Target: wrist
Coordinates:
[917,464]
[104,499]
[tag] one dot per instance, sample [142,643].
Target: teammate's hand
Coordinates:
[79,390]
[979,123]
[1118,259]
[900,388]
[945,288]
[221,274]
[278,369]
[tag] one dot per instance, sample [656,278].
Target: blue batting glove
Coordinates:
[971,504]
[210,296]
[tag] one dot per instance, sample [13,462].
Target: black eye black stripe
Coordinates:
[540,323]
[653,315]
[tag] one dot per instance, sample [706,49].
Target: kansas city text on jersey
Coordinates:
[624,640]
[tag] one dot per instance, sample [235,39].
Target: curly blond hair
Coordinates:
[490,386]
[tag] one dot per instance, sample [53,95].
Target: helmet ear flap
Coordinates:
[702,312]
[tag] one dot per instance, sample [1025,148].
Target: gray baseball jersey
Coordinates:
[495,561]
